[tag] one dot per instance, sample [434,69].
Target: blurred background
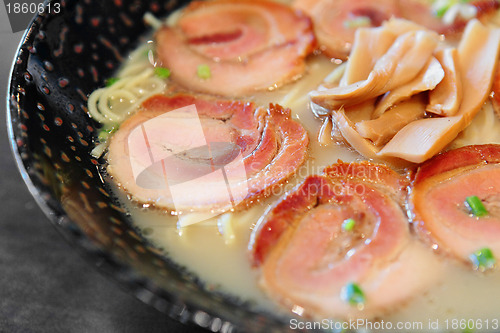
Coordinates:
[45,285]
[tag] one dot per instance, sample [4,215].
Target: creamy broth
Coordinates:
[216,250]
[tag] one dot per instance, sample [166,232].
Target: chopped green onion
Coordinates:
[475,206]
[360,21]
[162,72]
[469,328]
[111,81]
[103,135]
[440,7]
[483,259]
[441,11]
[204,72]
[353,294]
[106,131]
[348,224]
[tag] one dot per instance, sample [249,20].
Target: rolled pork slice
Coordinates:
[193,154]
[439,201]
[244,46]
[339,246]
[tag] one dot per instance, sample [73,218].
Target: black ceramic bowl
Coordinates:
[62,58]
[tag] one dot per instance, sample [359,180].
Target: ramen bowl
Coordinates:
[216,274]
[62,58]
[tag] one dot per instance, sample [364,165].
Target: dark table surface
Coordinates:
[45,285]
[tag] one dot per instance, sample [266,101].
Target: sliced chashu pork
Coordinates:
[198,154]
[438,200]
[247,46]
[307,258]
[335,22]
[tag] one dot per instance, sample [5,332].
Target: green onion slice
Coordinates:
[360,21]
[204,72]
[106,131]
[483,259]
[348,224]
[469,328]
[162,72]
[353,294]
[111,81]
[476,206]
[442,6]
[441,11]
